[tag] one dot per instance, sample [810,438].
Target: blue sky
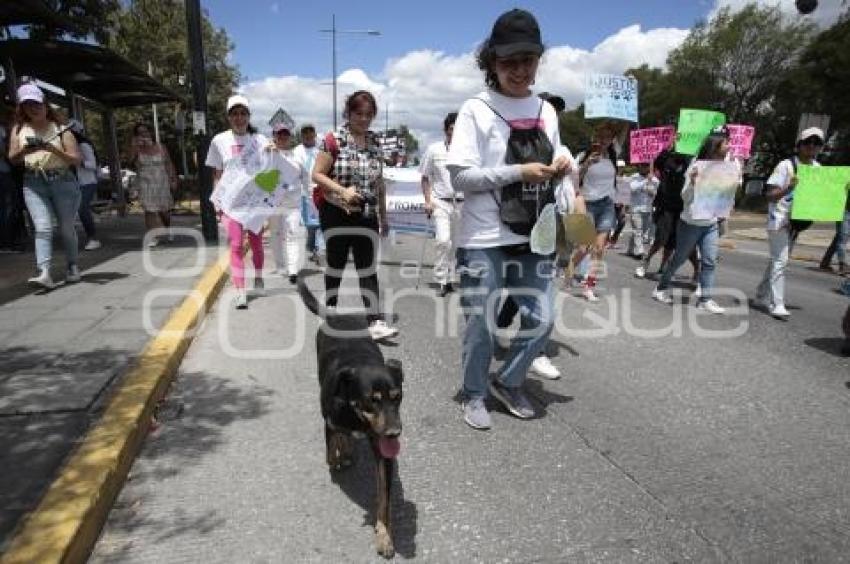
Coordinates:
[279,37]
[421,66]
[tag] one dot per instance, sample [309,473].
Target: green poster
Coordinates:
[821,192]
[694,127]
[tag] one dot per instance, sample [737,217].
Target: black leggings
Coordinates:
[362,247]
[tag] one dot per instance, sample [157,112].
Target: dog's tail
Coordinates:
[307,296]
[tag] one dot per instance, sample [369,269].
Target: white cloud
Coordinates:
[421,87]
[825,14]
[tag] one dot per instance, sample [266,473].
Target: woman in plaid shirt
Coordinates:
[352,201]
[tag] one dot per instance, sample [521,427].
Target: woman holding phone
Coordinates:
[47,151]
[156,177]
[598,181]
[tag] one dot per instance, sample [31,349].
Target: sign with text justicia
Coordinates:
[611,96]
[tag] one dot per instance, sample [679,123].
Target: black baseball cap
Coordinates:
[515,32]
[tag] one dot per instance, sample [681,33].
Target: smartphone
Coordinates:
[34,141]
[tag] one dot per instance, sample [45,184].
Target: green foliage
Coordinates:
[575,131]
[95,17]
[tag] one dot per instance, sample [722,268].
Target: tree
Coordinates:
[91,17]
[574,130]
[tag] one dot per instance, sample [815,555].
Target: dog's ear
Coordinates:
[394,366]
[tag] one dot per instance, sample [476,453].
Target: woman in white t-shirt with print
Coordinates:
[598,180]
[241,141]
[492,257]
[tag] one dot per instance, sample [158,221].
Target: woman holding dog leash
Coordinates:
[504,149]
[351,198]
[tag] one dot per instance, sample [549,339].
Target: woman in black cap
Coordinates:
[505,154]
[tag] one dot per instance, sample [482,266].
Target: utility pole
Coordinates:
[209,226]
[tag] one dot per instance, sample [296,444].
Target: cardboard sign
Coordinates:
[611,96]
[405,201]
[821,192]
[741,140]
[646,144]
[715,188]
[694,127]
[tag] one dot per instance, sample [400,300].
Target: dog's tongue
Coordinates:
[389,446]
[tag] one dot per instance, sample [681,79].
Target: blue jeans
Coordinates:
[46,197]
[484,273]
[87,192]
[839,242]
[315,241]
[603,213]
[687,237]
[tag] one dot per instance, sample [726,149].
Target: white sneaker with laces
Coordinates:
[640,272]
[73,274]
[92,245]
[589,295]
[779,312]
[661,296]
[379,329]
[710,306]
[698,291]
[43,279]
[544,367]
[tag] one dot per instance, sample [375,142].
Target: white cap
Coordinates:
[237,100]
[30,92]
[811,132]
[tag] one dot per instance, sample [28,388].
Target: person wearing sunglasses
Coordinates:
[779,192]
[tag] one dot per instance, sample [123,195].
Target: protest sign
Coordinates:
[714,189]
[252,190]
[611,96]
[821,192]
[740,140]
[646,144]
[405,202]
[694,127]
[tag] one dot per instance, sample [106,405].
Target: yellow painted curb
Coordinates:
[67,521]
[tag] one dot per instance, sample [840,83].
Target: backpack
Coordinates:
[797,225]
[333,148]
[671,167]
[521,202]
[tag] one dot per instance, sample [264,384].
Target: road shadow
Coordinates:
[537,390]
[189,423]
[831,345]
[359,483]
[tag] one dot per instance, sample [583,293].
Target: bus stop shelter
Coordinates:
[86,74]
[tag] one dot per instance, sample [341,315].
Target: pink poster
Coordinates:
[645,144]
[741,140]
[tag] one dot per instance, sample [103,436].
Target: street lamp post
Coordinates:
[333,31]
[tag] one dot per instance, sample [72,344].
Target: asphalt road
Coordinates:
[719,438]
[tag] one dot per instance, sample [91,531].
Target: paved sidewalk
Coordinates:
[63,351]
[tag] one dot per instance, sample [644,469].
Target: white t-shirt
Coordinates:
[433,167]
[226,146]
[290,176]
[479,141]
[306,158]
[87,171]
[779,212]
[643,191]
[599,180]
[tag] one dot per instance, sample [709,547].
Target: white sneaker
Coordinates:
[698,291]
[544,367]
[588,294]
[259,286]
[92,245]
[640,272]
[240,301]
[503,341]
[44,280]
[379,329]
[153,242]
[661,296]
[711,307]
[73,274]
[779,312]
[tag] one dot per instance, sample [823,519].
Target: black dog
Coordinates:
[360,394]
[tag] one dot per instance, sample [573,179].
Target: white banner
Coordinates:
[405,202]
